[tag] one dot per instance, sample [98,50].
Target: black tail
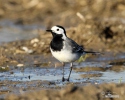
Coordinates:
[92,52]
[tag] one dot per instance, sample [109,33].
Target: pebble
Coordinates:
[20,65]
[34,41]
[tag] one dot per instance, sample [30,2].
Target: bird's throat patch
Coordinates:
[57,43]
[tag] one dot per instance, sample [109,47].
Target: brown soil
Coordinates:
[99,25]
[89,92]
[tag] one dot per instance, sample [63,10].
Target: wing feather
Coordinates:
[75,47]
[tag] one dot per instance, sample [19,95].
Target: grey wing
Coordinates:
[75,47]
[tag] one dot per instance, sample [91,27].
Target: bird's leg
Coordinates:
[70,71]
[63,79]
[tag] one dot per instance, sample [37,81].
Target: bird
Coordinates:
[64,48]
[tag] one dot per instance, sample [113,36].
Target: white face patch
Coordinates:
[58,30]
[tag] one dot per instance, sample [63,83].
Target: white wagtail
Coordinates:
[65,49]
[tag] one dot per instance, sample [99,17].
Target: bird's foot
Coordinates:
[68,79]
[63,79]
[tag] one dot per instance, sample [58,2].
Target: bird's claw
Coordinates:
[63,79]
[68,79]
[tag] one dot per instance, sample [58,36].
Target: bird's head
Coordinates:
[58,31]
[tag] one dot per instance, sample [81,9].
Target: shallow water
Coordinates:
[100,69]
[9,31]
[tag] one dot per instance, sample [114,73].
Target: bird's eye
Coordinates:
[57,29]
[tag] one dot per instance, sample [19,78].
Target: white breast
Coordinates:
[65,55]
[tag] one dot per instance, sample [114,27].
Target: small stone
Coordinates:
[20,65]
[27,50]
[34,41]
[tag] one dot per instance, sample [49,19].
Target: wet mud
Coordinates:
[47,73]
[27,68]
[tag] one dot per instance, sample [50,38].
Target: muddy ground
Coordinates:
[26,64]
[90,92]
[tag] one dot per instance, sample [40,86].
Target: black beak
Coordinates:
[49,30]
